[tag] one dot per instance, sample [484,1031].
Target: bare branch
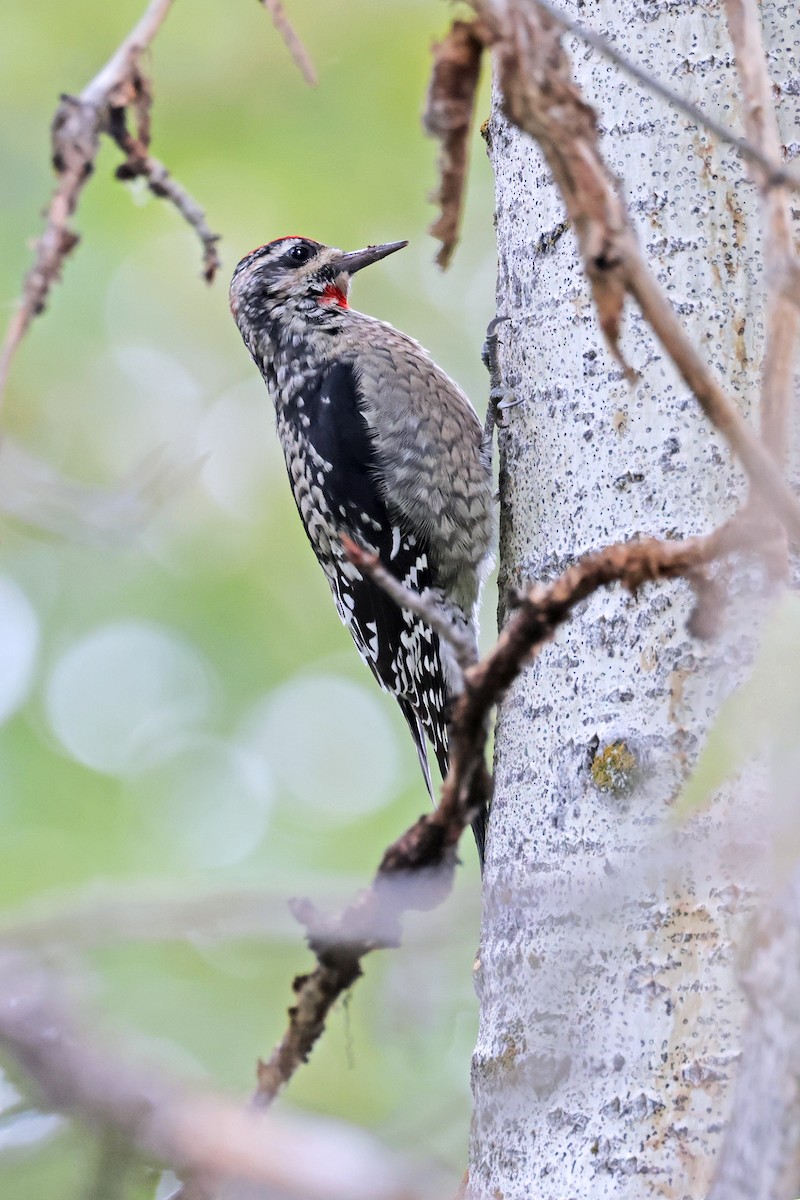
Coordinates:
[541,97]
[756,459]
[74,166]
[141,164]
[77,127]
[448,116]
[782,318]
[416,872]
[108,914]
[293,43]
[424,604]
[202,1134]
[34,493]
[789,281]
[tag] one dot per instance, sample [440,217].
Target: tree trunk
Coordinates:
[611,1019]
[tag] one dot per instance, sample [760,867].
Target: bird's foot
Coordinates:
[489,352]
[501,398]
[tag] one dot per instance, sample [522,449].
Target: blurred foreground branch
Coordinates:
[200,1133]
[782,317]
[42,498]
[751,148]
[760,1153]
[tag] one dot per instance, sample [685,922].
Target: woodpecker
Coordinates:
[379,444]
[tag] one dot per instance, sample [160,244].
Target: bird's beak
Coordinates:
[357,259]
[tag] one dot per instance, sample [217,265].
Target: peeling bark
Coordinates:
[611,1016]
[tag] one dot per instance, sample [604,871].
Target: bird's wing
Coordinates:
[400,649]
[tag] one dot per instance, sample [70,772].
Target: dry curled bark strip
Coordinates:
[541,97]
[417,870]
[448,116]
[78,124]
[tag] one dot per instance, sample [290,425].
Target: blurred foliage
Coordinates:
[160,689]
[759,720]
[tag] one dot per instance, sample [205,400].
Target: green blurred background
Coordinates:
[181,711]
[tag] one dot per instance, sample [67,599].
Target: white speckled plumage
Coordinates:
[381,444]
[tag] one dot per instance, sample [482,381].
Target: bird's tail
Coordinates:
[440,749]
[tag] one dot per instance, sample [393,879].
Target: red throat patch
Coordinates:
[333,295]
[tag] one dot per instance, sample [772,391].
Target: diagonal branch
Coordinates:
[782,318]
[422,604]
[294,45]
[774,172]
[416,871]
[760,1151]
[542,98]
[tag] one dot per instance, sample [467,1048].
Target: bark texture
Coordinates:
[611,1017]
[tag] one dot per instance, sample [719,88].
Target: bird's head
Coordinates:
[297,273]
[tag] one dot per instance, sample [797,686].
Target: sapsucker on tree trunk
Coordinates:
[382,445]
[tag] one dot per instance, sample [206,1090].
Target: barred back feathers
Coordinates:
[382,445]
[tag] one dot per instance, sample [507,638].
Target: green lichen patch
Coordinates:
[615,768]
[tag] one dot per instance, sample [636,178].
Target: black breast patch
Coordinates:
[401,650]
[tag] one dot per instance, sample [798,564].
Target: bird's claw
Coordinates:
[504,398]
[489,352]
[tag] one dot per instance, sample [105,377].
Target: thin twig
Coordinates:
[291,40]
[139,163]
[775,174]
[423,604]
[757,460]
[782,318]
[77,127]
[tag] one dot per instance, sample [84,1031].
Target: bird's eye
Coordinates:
[300,253]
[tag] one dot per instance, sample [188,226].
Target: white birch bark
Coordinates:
[611,1019]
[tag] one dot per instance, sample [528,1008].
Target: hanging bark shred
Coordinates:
[448,116]
[540,96]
